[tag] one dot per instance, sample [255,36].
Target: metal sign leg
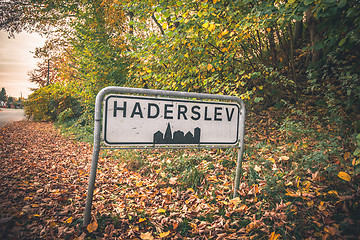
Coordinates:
[238,172]
[92,176]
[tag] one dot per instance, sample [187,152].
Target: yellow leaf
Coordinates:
[322,206]
[164,234]
[211,27]
[35,205]
[69,220]
[146,236]
[205,25]
[271,160]
[92,227]
[191,190]
[333,192]
[225,32]
[161,210]
[169,190]
[209,67]
[142,220]
[274,236]
[344,176]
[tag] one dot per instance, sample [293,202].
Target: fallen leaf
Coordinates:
[169,190]
[69,220]
[172,180]
[344,176]
[175,225]
[92,227]
[257,168]
[274,236]
[235,201]
[146,236]
[330,230]
[142,220]
[161,210]
[164,234]
[346,155]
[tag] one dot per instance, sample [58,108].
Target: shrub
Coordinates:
[52,103]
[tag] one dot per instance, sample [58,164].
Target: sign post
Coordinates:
[173,120]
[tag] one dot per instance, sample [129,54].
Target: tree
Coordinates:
[46,73]
[3,96]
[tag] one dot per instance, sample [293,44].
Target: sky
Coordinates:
[16,60]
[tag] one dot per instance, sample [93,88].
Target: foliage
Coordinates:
[295,63]
[266,52]
[3,96]
[299,181]
[51,103]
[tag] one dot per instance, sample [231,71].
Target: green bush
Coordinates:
[56,102]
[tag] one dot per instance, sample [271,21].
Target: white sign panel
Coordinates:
[149,121]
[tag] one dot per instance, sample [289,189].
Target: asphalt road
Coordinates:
[8,115]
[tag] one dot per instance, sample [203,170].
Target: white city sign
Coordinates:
[151,121]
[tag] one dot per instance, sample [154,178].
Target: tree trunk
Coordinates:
[272,47]
[313,22]
[298,32]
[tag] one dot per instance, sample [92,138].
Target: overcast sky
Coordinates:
[16,61]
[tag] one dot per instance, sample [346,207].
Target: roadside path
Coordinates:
[40,184]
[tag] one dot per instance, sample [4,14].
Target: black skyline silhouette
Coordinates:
[178,137]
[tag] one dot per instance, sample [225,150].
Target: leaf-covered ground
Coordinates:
[298,183]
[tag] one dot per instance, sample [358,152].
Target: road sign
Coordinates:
[139,120]
[153,122]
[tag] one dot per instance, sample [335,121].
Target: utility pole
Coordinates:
[48,73]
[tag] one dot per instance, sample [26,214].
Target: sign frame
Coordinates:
[231,114]
[163,93]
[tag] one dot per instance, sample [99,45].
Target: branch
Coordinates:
[158,24]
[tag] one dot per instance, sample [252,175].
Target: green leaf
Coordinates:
[357,152]
[258,99]
[342,42]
